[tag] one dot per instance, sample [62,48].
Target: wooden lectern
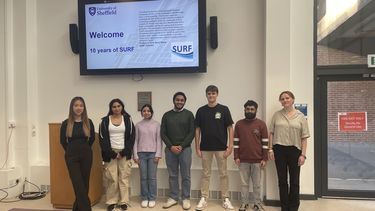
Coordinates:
[62,194]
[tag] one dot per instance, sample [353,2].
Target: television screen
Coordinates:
[142,36]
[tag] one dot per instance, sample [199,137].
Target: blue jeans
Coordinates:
[148,168]
[176,164]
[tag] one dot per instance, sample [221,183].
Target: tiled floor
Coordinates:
[314,205]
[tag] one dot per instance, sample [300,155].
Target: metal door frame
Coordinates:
[320,144]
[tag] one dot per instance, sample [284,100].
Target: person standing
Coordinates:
[250,154]
[116,135]
[77,135]
[213,126]
[177,132]
[288,142]
[147,153]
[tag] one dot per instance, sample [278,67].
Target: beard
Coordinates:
[250,115]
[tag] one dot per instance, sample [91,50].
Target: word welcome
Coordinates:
[99,35]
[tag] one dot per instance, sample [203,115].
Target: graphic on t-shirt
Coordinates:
[218,115]
[256,131]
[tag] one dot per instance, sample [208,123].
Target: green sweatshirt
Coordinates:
[177,128]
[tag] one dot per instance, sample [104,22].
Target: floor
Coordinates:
[310,205]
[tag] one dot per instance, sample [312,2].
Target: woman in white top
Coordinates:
[117,134]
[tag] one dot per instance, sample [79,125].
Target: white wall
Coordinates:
[3,134]
[277,70]
[46,72]
[58,68]
[12,167]
[289,66]
[18,108]
[302,77]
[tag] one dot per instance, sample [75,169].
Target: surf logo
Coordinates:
[182,51]
[92,11]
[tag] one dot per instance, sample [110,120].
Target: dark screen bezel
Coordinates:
[82,46]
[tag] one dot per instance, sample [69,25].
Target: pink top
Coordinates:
[147,138]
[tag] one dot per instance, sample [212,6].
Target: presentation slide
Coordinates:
[142,34]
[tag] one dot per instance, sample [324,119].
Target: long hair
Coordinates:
[110,112]
[85,119]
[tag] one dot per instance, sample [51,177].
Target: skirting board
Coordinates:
[196,194]
[276,203]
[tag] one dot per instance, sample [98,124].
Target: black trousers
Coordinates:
[286,160]
[78,158]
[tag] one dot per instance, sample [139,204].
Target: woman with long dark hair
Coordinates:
[77,136]
[116,134]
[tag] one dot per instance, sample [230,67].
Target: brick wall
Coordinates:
[351,96]
[330,56]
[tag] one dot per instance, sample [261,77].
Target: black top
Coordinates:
[77,135]
[213,123]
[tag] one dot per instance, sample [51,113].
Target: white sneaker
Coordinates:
[151,204]
[170,202]
[144,203]
[186,204]
[227,205]
[202,204]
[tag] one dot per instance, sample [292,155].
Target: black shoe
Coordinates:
[111,207]
[243,207]
[124,206]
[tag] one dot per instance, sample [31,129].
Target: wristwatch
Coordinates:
[303,156]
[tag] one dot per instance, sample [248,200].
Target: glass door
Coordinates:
[348,145]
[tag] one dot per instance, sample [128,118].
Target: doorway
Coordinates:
[347,125]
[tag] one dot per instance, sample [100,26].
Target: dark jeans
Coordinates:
[286,159]
[78,158]
[177,164]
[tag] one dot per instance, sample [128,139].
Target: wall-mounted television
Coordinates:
[142,36]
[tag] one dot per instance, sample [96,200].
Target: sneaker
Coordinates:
[202,204]
[111,207]
[124,206]
[243,207]
[258,207]
[227,205]
[151,204]
[186,204]
[144,203]
[170,202]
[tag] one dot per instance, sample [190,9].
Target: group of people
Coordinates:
[212,129]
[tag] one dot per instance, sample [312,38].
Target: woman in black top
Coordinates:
[76,137]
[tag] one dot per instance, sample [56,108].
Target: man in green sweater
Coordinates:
[177,132]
